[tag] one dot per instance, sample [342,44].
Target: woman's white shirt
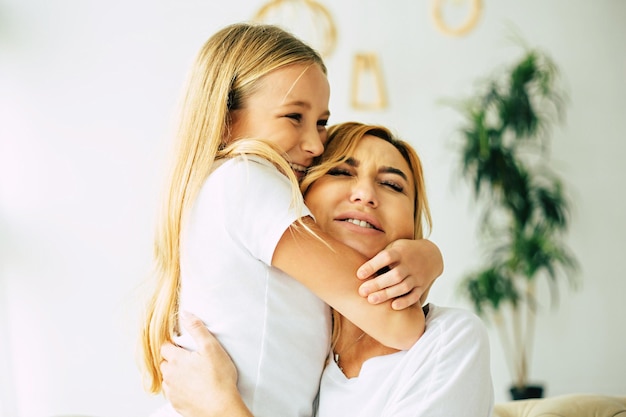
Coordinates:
[446,373]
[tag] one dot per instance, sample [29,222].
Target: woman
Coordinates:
[367,190]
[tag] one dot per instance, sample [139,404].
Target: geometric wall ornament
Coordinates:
[368,85]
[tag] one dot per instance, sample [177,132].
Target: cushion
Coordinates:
[573,405]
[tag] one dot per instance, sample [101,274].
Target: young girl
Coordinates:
[237,246]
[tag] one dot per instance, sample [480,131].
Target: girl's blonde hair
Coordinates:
[225,73]
[343,140]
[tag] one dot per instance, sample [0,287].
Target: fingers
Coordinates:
[383,259]
[172,355]
[401,295]
[408,300]
[197,330]
[396,284]
[402,291]
[397,278]
[168,351]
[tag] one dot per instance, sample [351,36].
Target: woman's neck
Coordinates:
[354,347]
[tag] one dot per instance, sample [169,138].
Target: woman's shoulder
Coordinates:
[454,320]
[451,332]
[437,312]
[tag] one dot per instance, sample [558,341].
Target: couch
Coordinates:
[573,405]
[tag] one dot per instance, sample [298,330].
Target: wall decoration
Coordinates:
[307,19]
[439,16]
[368,87]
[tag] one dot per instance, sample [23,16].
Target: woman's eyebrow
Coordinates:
[392,170]
[384,170]
[352,162]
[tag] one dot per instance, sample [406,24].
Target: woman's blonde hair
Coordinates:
[225,73]
[343,140]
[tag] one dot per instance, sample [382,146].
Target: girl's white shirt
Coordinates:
[276,331]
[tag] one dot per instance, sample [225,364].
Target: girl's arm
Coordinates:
[328,268]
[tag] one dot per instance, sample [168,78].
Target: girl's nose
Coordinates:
[313,142]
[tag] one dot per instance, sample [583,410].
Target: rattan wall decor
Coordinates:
[307,19]
[473,11]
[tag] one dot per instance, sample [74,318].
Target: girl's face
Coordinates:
[367,202]
[290,109]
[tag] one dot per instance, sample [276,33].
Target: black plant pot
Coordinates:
[527,392]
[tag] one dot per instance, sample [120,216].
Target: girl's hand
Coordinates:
[201,383]
[404,271]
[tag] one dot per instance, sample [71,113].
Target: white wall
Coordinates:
[87,93]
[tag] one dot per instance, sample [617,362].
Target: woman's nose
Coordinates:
[364,192]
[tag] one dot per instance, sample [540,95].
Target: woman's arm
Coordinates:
[202,383]
[328,268]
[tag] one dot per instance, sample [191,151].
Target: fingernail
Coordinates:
[363,291]
[373,298]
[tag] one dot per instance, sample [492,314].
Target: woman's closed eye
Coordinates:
[393,185]
[337,172]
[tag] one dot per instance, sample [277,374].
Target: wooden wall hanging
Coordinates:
[475,9]
[368,86]
[307,19]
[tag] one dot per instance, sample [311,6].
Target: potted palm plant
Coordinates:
[504,156]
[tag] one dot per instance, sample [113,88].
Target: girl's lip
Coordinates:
[299,170]
[357,215]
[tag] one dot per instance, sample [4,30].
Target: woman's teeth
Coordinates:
[361,223]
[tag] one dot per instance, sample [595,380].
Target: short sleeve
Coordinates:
[257,204]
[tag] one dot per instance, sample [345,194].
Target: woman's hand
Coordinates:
[201,383]
[408,268]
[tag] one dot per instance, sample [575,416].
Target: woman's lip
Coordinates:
[361,217]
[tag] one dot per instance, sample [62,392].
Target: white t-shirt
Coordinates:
[276,331]
[445,374]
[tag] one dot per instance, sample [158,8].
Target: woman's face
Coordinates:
[290,109]
[367,202]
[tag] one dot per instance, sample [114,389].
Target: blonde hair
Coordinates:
[225,73]
[343,140]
